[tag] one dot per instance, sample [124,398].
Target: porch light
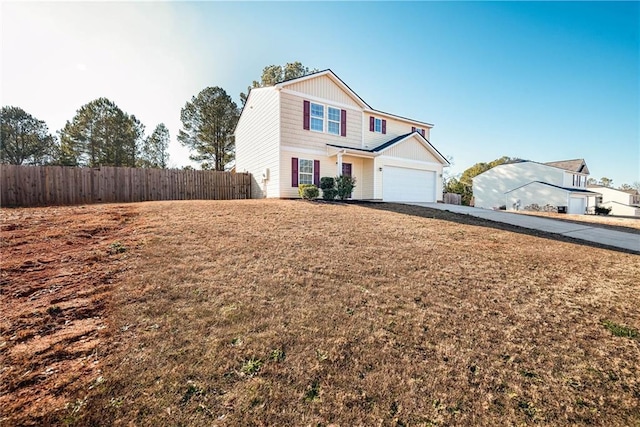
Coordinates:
[380,168]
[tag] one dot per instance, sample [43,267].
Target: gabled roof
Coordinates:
[333,77]
[575,165]
[337,80]
[398,139]
[569,189]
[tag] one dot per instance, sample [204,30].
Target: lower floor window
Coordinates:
[305,171]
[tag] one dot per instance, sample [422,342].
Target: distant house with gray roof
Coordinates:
[527,185]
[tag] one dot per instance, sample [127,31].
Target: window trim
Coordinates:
[377,121]
[339,122]
[325,118]
[300,173]
[312,117]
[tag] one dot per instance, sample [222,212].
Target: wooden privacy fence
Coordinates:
[62,185]
[452,198]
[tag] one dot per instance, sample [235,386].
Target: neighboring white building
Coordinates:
[303,129]
[524,184]
[621,202]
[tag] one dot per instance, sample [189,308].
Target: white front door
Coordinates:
[408,185]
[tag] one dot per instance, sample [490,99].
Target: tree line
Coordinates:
[102,134]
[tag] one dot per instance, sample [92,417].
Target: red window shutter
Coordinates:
[372,124]
[316,172]
[294,171]
[306,115]
[384,126]
[413,129]
[422,132]
[343,122]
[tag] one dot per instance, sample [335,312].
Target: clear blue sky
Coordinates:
[543,81]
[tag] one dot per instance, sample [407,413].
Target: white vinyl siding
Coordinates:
[257,142]
[394,128]
[489,188]
[323,87]
[411,149]
[293,134]
[540,194]
[327,168]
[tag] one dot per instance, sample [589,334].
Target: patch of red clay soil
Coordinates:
[57,268]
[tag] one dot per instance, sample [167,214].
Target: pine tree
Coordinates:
[209,121]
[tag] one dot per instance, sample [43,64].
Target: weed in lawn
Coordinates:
[313,391]
[393,410]
[116,248]
[620,330]
[251,366]
[321,355]
[237,341]
[192,390]
[528,374]
[277,355]
[116,402]
[527,408]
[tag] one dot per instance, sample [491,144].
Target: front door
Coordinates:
[346,171]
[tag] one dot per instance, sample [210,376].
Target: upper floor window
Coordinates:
[578,181]
[333,121]
[419,130]
[323,118]
[377,125]
[317,117]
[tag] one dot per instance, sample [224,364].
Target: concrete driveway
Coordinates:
[603,236]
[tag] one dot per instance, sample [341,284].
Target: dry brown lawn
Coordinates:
[301,313]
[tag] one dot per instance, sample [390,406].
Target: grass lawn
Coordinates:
[300,313]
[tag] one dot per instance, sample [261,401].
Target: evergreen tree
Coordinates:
[209,121]
[24,139]
[273,74]
[101,134]
[154,151]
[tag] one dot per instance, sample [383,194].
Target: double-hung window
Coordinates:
[317,117]
[305,171]
[333,120]
[324,118]
[377,125]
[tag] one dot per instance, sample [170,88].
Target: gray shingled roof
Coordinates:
[390,143]
[575,165]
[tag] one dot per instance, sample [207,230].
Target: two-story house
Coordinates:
[303,129]
[522,184]
[621,202]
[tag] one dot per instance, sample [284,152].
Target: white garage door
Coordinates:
[576,205]
[408,185]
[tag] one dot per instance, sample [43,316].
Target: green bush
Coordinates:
[328,187]
[345,185]
[308,191]
[601,210]
[327,182]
